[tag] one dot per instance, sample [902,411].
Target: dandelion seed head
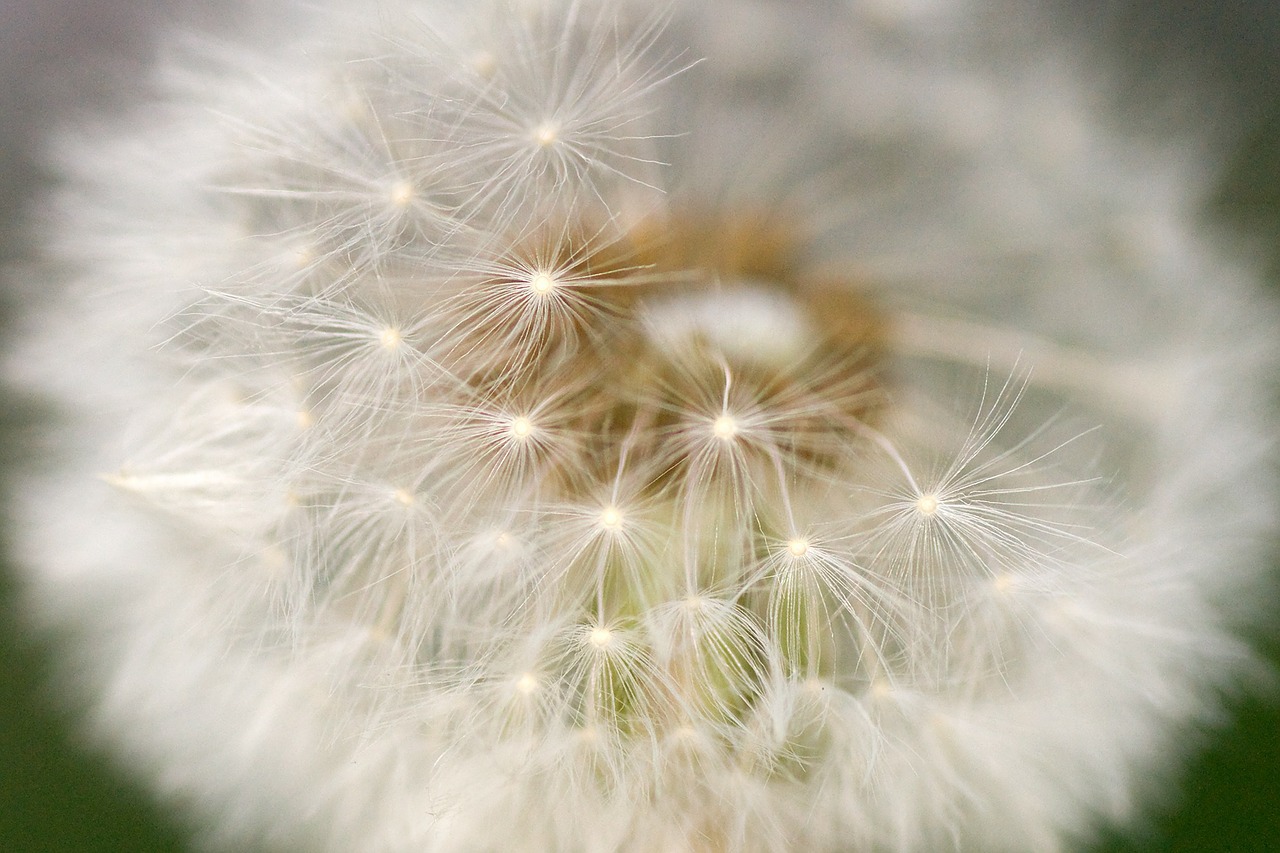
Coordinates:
[521,427]
[542,283]
[546,134]
[611,518]
[402,194]
[725,427]
[507,403]
[390,338]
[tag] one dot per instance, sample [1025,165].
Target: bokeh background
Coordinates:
[59,793]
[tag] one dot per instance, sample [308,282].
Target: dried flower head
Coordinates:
[492,426]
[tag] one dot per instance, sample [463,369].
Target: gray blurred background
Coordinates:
[59,794]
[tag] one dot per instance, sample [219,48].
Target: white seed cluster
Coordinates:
[534,497]
[507,347]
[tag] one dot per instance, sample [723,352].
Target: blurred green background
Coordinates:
[59,794]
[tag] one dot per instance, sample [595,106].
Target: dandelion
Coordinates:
[559,426]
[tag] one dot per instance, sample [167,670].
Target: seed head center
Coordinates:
[542,283]
[521,427]
[601,638]
[402,193]
[725,428]
[611,518]
[927,505]
[546,134]
[390,338]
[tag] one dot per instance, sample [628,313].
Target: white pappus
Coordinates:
[556,425]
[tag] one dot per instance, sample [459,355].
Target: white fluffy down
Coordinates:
[336,587]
